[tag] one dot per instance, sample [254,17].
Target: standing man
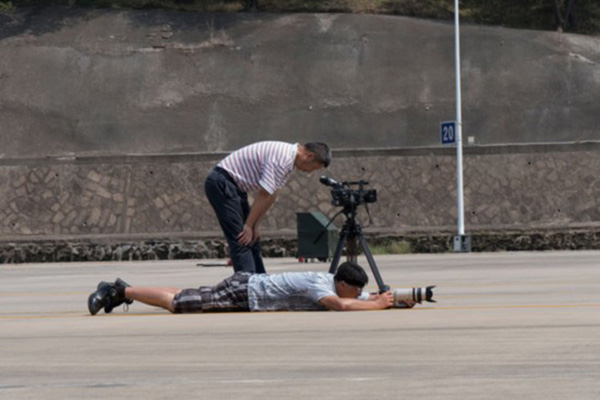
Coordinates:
[262,168]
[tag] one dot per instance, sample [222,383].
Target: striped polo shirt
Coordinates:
[264,164]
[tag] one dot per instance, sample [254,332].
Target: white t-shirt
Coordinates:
[293,291]
[264,164]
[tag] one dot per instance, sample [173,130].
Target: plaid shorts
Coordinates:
[229,295]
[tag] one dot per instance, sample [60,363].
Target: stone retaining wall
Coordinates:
[65,251]
[114,199]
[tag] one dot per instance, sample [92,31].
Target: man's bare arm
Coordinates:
[264,200]
[409,303]
[375,302]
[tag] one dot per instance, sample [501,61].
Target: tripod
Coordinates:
[351,232]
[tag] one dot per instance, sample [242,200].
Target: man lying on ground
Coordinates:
[289,291]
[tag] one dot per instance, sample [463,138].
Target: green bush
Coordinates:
[391,247]
[6,6]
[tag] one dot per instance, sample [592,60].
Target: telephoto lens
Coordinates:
[405,298]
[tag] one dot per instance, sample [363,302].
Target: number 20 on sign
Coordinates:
[448,132]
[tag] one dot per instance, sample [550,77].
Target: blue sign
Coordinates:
[448,132]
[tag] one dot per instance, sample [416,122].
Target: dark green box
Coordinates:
[310,226]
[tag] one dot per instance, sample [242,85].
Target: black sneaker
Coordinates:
[100,298]
[115,299]
[107,296]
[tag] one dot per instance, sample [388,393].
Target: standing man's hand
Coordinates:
[250,234]
[245,237]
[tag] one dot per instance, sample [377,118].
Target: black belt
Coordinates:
[226,174]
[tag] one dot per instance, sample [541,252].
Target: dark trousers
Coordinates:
[232,209]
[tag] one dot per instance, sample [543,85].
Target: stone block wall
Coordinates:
[117,199]
[103,197]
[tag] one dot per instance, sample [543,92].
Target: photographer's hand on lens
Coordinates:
[385,300]
[246,236]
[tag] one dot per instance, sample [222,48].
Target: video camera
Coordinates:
[343,195]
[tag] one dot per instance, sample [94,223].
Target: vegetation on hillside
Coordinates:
[579,16]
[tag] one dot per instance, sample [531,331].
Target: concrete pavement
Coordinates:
[506,325]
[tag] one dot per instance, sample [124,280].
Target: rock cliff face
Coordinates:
[111,120]
[113,82]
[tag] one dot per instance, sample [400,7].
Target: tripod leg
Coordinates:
[382,287]
[338,251]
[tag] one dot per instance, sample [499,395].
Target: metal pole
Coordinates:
[459,161]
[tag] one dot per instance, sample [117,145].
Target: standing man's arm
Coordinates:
[264,200]
[307,158]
